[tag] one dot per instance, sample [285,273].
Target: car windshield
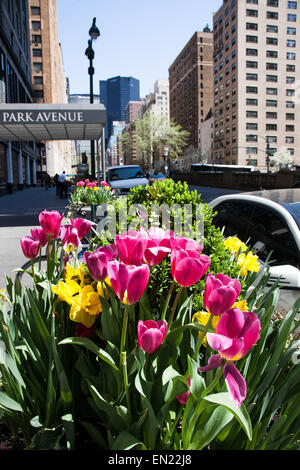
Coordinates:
[125,173]
[294,210]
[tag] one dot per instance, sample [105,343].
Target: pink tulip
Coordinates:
[188,267]
[39,235]
[50,223]
[235,335]
[69,237]
[80,184]
[128,282]
[30,247]
[98,259]
[110,251]
[131,247]
[187,244]
[158,246]
[220,293]
[104,183]
[183,397]
[151,334]
[83,226]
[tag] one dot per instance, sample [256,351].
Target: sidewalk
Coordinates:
[18,214]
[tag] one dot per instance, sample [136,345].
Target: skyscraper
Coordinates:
[115,94]
[191,84]
[256,44]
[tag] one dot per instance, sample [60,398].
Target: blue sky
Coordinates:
[140,38]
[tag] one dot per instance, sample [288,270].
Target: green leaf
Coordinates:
[169,374]
[240,413]
[88,344]
[9,403]
[126,441]
[210,424]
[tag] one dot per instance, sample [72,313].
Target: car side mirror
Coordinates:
[289,275]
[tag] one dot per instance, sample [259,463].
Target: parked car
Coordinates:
[123,178]
[269,221]
[157,177]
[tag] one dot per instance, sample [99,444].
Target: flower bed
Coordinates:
[84,348]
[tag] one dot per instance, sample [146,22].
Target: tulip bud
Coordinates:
[151,334]
[50,223]
[30,247]
[69,238]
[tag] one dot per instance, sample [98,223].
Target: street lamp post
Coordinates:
[166,154]
[94,34]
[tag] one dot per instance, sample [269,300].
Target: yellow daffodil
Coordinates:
[96,188]
[3,295]
[86,307]
[75,274]
[241,304]
[66,291]
[202,318]
[248,262]
[235,244]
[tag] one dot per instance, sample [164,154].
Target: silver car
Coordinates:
[270,220]
[124,177]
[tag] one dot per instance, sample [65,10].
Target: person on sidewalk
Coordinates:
[47,181]
[62,185]
[55,179]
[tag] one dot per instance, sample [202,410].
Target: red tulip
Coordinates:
[70,238]
[220,293]
[188,267]
[39,235]
[83,226]
[151,334]
[50,223]
[131,247]
[128,282]
[30,247]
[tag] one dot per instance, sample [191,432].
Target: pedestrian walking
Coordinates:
[55,179]
[47,181]
[62,185]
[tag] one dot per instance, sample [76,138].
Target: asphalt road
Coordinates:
[19,213]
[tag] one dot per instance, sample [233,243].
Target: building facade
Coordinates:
[191,84]
[49,81]
[115,94]
[17,159]
[158,102]
[256,44]
[132,111]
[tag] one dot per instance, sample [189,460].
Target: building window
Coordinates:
[37,52]
[290,68]
[37,67]
[252,12]
[272,54]
[37,80]
[271,66]
[291,43]
[290,92]
[290,79]
[36,38]
[272,3]
[290,116]
[271,78]
[251,39]
[35,11]
[251,138]
[289,128]
[291,30]
[251,64]
[254,2]
[289,140]
[251,102]
[251,150]
[273,41]
[292,5]
[272,15]
[271,91]
[290,104]
[291,17]
[271,28]
[252,126]
[253,26]
[252,52]
[271,127]
[271,115]
[271,103]
[38,93]
[291,55]
[251,89]
[36,25]
[251,114]
[251,76]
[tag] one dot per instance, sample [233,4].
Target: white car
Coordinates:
[269,221]
[124,177]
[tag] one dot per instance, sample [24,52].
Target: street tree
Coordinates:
[281,158]
[152,133]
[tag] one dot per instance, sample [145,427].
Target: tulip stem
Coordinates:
[124,331]
[175,306]
[167,300]
[123,362]
[40,259]
[201,339]
[213,382]
[173,427]
[32,267]
[125,380]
